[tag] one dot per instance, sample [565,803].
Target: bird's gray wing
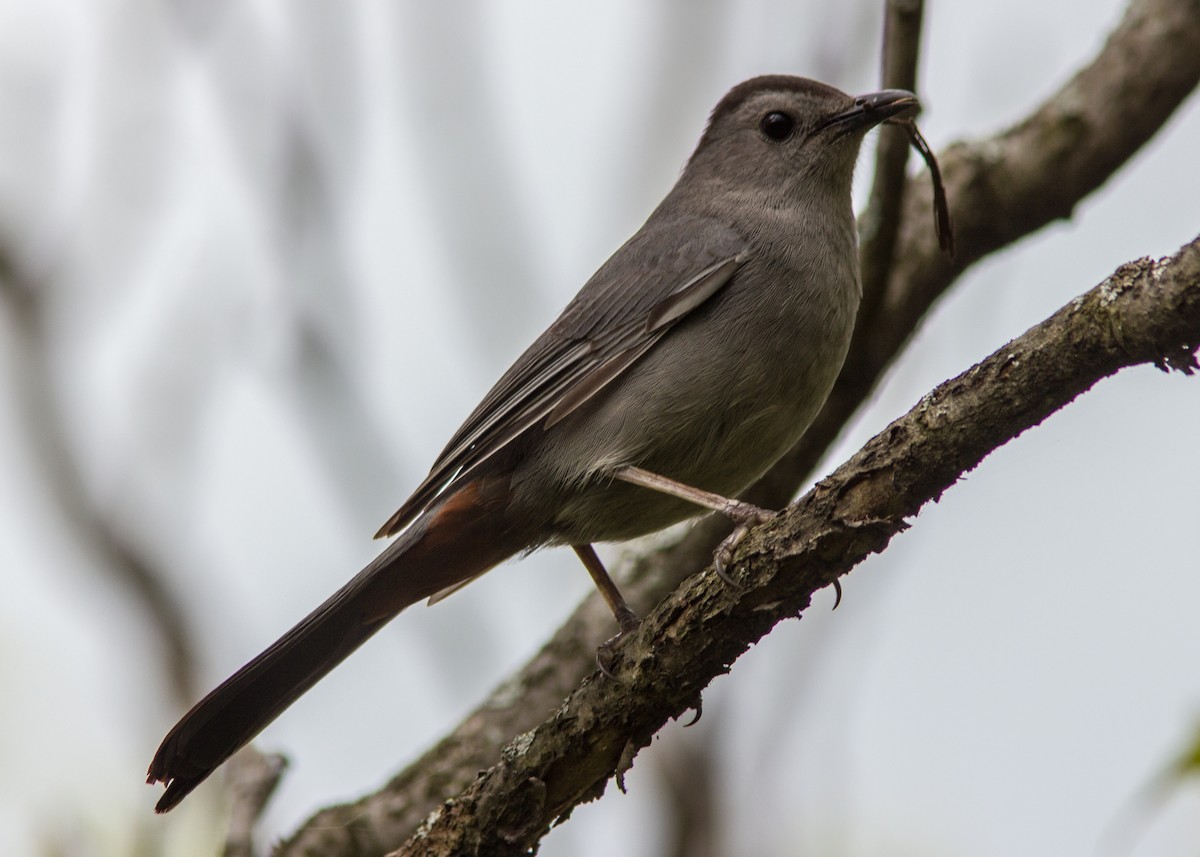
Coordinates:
[665,271]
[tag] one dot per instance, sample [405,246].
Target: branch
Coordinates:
[1146,312]
[881,223]
[1106,104]
[251,780]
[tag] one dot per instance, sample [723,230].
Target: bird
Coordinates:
[689,363]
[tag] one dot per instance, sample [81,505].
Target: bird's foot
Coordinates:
[745,517]
[629,623]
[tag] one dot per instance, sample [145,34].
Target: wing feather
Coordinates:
[628,306]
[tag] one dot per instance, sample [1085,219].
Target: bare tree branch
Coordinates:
[880,224]
[1146,312]
[251,781]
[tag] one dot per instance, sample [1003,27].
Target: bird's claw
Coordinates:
[746,516]
[606,650]
[604,655]
[723,555]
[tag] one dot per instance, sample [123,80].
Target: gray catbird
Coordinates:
[688,364]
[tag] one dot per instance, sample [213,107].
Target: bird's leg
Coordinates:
[744,515]
[626,618]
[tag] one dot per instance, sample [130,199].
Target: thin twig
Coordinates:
[251,779]
[880,223]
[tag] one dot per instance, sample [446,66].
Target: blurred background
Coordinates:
[261,258]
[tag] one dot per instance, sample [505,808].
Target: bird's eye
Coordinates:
[777,126]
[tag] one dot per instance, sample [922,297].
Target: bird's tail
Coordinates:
[455,541]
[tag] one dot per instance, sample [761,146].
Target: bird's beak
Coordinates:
[869,110]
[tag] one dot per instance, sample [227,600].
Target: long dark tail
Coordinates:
[459,539]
